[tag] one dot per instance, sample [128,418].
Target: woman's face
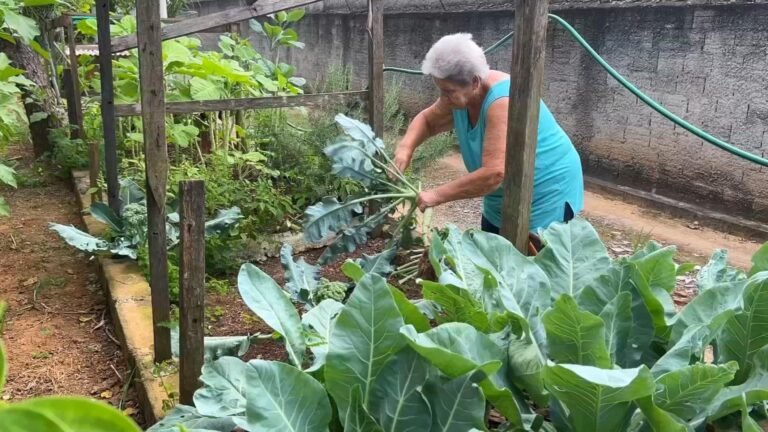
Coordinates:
[457,95]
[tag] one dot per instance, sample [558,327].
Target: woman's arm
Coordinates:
[430,122]
[486,179]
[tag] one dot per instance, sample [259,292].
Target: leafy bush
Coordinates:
[68,154]
[569,341]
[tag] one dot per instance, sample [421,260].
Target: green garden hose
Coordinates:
[629,86]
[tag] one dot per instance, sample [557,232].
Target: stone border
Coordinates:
[129,300]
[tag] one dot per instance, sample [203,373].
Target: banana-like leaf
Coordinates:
[223,221]
[718,271]
[458,404]
[281,398]
[270,303]
[689,391]
[79,239]
[318,323]
[301,278]
[575,336]
[604,398]
[397,402]
[191,420]
[104,214]
[364,337]
[760,260]
[747,332]
[573,258]
[356,418]
[617,316]
[457,349]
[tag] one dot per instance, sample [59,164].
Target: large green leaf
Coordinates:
[691,345]
[301,278]
[526,368]
[397,402]
[356,418]
[7,175]
[598,399]
[203,89]
[17,419]
[223,221]
[5,209]
[328,217]
[281,398]
[381,263]
[103,213]
[189,418]
[457,404]
[25,27]
[320,320]
[364,337]
[708,306]
[350,159]
[657,266]
[617,316]
[760,260]
[267,300]
[718,271]
[689,391]
[575,336]
[458,305]
[452,263]
[652,290]
[224,386]
[654,419]
[747,332]
[360,132]
[79,239]
[71,414]
[574,257]
[751,392]
[457,349]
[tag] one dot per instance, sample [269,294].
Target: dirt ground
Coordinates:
[58,333]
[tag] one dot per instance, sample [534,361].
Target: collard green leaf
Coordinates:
[320,319]
[189,418]
[270,303]
[350,159]
[718,271]
[452,264]
[68,413]
[708,306]
[7,175]
[575,336]
[224,386]
[598,399]
[748,424]
[458,404]
[657,267]
[364,337]
[617,316]
[397,402]
[747,332]
[573,258]
[381,263]
[223,221]
[457,305]
[104,214]
[410,313]
[690,346]
[760,260]
[130,192]
[526,368]
[17,419]
[328,217]
[301,278]
[658,302]
[689,391]
[654,419]
[751,392]
[79,239]
[360,132]
[281,398]
[457,349]
[356,418]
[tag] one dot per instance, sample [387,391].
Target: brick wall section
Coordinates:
[705,63]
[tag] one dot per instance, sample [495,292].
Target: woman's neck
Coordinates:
[476,104]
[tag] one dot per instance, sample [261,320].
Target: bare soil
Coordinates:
[58,333]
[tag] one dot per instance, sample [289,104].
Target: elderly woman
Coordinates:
[474,101]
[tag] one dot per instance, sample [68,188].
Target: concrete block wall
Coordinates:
[704,61]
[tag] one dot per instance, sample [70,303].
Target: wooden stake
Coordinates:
[523,127]
[192,289]
[152,86]
[376,66]
[108,106]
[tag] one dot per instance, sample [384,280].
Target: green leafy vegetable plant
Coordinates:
[569,341]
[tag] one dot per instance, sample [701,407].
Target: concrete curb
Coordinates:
[710,218]
[129,301]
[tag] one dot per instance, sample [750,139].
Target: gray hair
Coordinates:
[456,58]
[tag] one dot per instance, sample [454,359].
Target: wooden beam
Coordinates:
[376,66]
[108,106]
[523,126]
[152,87]
[201,23]
[192,288]
[310,100]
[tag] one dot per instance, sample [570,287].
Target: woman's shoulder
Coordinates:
[495,77]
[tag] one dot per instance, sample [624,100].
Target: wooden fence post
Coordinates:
[376,66]
[192,289]
[108,105]
[152,86]
[522,134]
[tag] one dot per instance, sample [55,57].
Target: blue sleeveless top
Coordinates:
[557,178]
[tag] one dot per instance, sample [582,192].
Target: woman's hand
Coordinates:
[428,199]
